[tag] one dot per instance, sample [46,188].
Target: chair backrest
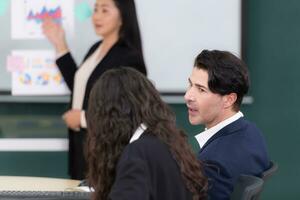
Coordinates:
[269,172]
[248,187]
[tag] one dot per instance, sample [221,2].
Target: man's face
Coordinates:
[204,107]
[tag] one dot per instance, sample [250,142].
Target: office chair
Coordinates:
[248,187]
[269,172]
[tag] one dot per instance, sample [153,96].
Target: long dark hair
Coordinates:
[120,101]
[129,31]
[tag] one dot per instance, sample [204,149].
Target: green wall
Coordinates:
[272,54]
[33,120]
[41,164]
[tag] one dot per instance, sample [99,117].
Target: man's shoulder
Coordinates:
[234,138]
[240,126]
[239,148]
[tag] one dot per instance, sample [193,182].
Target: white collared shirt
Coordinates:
[204,136]
[137,134]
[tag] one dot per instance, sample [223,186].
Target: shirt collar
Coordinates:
[137,134]
[204,136]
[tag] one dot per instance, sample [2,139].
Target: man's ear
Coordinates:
[229,100]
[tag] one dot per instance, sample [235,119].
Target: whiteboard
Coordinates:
[176,31]
[173,32]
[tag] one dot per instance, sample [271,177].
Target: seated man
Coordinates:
[230,145]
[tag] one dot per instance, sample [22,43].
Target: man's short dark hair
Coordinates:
[226,73]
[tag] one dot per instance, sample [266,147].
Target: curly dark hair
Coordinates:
[120,101]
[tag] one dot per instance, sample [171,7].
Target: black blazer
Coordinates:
[148,171]
[238,148]
[120,54]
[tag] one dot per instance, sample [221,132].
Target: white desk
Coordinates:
[23,183]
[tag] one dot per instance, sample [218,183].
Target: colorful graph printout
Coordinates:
[40,75]
[27,17]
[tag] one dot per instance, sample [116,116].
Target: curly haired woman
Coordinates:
[134,149]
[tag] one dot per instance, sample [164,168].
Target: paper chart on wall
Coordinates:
[39,76]
[27,17]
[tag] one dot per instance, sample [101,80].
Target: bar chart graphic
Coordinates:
[55,14]
[28,15]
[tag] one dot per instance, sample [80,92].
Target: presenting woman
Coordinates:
[115,21]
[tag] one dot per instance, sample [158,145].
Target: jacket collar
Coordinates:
[227,130]
[204,136]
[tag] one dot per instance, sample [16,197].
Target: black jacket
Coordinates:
[120,54]
[148,171]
